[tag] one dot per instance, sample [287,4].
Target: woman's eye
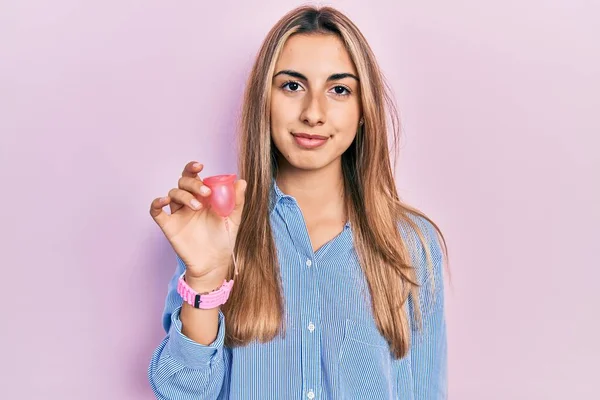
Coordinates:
[341,90]
[292,86]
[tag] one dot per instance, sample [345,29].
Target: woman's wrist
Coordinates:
[203,285]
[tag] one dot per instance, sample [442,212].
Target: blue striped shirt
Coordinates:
[332,349]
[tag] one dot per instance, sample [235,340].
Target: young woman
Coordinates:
[339,293]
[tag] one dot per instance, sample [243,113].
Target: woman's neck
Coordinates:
[319,193]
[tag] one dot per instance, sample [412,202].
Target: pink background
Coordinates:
[102,103]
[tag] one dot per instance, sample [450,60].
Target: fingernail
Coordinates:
[195,204]
[196,165]
[204,190]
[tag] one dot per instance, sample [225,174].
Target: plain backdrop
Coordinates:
[103,102]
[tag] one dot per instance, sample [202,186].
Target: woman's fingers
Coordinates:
[194,186]
[240,193]
[192,169]
[185,198]
[189,185]
[190,172]
[157,212]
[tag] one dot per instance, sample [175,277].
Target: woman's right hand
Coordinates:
[196,233]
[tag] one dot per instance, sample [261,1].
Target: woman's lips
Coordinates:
[309,141]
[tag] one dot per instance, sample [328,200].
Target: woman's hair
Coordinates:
[256,308]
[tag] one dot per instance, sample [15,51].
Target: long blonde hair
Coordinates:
[255,308]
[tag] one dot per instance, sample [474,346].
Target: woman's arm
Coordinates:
[182,368]
[428,354]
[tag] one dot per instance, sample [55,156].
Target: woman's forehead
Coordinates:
[316,55]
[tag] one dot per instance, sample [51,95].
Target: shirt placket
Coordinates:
[311,332]
[310,312]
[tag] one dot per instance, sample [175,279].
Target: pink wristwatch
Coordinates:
[204,301]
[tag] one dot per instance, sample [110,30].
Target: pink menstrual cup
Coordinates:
[222,198]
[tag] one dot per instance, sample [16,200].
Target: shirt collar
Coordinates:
[276,196]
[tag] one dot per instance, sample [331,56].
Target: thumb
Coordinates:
[240,194]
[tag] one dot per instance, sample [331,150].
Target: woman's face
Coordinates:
[315,92]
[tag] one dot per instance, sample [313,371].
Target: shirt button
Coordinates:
[310,394]
[308,262]
[311,327]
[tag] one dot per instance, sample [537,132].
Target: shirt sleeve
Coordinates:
[181,368]
[428,353]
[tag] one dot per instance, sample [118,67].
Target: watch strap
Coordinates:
[204,301]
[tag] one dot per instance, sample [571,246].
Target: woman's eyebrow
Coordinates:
[333,77]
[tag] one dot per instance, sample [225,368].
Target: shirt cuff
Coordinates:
[190,353]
